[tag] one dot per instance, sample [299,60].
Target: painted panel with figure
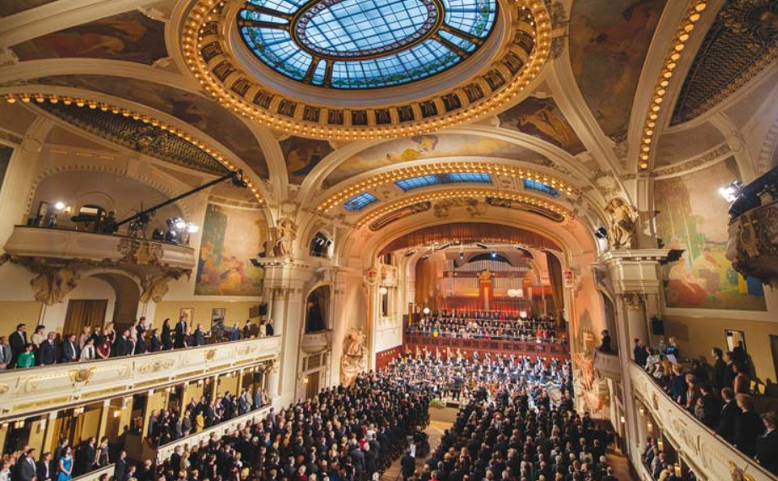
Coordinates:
[231,238]
[130,36]
[543,119]
[431,146]
[302,155]
[609,40]
[693,217]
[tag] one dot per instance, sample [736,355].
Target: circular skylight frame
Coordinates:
[431,50]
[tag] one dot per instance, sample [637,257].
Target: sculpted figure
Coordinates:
[354,358]
[286,233]
[622,219]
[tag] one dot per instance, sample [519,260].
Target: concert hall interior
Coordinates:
[365,240]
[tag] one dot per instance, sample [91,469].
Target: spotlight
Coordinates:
[192,228]
[383,290]
[59,205]
[179,223]
[494,255]
[601,233]
[731,191]
[411,252]
[426,311]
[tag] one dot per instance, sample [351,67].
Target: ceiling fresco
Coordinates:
[430,147]
[197,111]
[542,118]
[609,40]
[131,37]
[741,43]
[302,155]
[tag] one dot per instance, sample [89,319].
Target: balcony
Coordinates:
[607,365]
[314,342]
[710,456]
[25,392]
[518,348]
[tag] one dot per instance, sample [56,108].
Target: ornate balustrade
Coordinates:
[197,439]
[40,389]
[467,346]
[710,456]
[607,365]
[316,341]
[97,473]
[753,243]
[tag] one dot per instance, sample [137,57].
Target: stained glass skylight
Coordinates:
[359,202]
[530,184]
[427,180]
[359,44]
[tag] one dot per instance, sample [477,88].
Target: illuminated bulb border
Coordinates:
[93,104]
[672,58]
[209,10]
[458,194]
[441,168]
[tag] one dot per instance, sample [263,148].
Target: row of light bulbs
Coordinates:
[459,194]
[692,16]
[440,168]
[104,107]
[209,10]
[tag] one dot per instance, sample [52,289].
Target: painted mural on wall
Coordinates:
[10,7]
[429,147]
[694,218]
[231,238]
[193,109]
[5,159]
[543,119]
[609,40]
[302,155]
[130,36]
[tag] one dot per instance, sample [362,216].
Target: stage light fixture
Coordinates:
[601,233]
[59,205]
[192,228]
[494,255]
[426,311]
[730,192]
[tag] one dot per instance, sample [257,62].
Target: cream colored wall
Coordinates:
[15,312]
[237,311]
[697,335]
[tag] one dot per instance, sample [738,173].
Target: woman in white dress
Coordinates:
[88,352]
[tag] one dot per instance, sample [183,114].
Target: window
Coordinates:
[427,180]
[538,186]
[359,202]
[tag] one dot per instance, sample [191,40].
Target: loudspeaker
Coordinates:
[657,327]
[263,309]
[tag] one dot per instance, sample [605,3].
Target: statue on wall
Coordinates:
[154,288]
[354,358]
[623,225]
[285,234]
[52,285]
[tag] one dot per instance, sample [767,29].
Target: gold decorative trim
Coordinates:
[462,193]
[222,76]
[41,97]
[442,168]
[647,140]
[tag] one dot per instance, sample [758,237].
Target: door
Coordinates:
[84,313]
[312,388]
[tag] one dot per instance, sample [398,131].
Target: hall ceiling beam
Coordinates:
[243,22]
[267,11]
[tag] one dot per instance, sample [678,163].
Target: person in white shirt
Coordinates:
[88,353]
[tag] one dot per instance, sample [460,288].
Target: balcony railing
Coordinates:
[97,473]
[163,453]
[40,389]
[607,365]
[710,456]
[519,348]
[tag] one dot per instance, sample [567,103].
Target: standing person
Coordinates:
[102,456]
[180,333]
[605,346]
[18,340]
[719,368]
[69,349]
[748,426]
[199,336]
[742,381]
[5,353]
[767,444]
[258,398]
[167,339]
[728,416]
[88,353]
[235,333]
[120,467]
[48,350]
[65,470]
[156,342]
[408,464]
[639,353]
[44,471]
[269,329]
[141,347]
[26,467]
[121,345]
[86,333]
[26,358]
[247,329]
[38,337]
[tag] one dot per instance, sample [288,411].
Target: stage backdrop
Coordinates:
[693,217]
[232,236]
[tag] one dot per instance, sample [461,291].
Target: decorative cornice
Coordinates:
[710,157]
[213,64]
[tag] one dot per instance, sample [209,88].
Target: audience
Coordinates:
[96,343]
[480,325]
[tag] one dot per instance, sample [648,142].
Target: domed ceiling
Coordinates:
[363,113]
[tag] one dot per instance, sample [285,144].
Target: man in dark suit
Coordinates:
[48,350]
[5,353]
[18,340]
[140,347]
[156,342]
[120,467]
[408,465]
[639,353]
[269,329]
[89,455]
[180,333]
[199,336]
[45,468]
[358,459]
[120,345]
[69,349]
[728,415]
[26,468]
[247,329]
[719,368]
[258,398]
[767,444]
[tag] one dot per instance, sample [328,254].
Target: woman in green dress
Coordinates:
[27,358]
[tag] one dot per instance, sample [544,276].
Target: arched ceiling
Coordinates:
[599,97]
